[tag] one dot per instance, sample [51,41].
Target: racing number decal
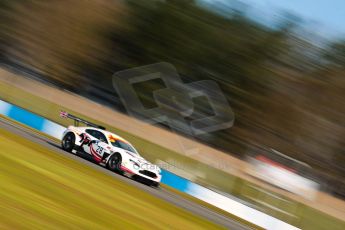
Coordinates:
[99,150]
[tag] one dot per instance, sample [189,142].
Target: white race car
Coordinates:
[110,150]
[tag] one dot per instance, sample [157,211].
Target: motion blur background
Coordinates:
[282,75]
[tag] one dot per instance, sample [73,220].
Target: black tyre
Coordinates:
[68,142]
[114,162]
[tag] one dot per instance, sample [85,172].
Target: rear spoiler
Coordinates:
[78,120]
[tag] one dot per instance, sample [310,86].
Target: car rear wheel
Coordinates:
[68,142]
[114,162]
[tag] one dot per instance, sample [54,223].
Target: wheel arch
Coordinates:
[108,158]
[76,137]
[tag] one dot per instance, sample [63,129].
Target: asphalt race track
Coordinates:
[162,193]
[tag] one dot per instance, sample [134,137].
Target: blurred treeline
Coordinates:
[287,92]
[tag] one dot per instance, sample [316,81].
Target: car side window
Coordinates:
[97,134]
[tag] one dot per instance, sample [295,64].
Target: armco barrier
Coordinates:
[225,203]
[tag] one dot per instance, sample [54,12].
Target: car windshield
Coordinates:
[125,146]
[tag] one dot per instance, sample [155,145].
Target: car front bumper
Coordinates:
[142,174]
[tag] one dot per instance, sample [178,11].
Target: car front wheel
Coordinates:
[114,162]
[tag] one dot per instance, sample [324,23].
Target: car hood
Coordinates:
[134,156]
[141,161]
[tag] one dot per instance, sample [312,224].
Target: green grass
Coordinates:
[285,209]
[40,189]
